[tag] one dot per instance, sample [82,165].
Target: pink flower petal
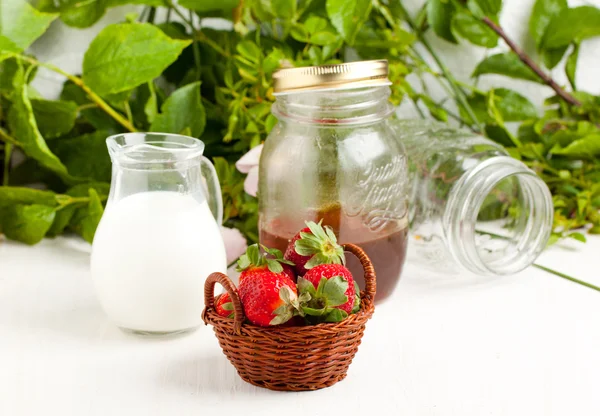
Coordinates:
[235,243]
[249,160]
[251,182]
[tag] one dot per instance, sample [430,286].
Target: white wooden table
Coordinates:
[522,345]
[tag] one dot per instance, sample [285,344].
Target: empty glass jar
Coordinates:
[333,157]
[473,207]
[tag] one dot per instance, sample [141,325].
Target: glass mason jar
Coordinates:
[333,157]
[473,207]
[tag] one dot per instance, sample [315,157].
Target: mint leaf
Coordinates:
[587,147]
[85,156]
[183,109]
[334,291]
[209,5]
[474,30]
[571,65]
[570,25]
[126,55]
[541,15]
[82,14]
[348,16]
[439,15]
[507,64]
[10,195]
[86,219]
[27,223]
[21,24]
[23,126]
[54,118]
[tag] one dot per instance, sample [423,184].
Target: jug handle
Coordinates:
[212,189]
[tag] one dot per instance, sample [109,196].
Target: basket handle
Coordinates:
[370,281]
[209,298]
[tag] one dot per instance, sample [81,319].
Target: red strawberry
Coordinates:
[314,245]
[224,306]
[268,298]
[289,271]
[254,262]
[266,288]
[331,286]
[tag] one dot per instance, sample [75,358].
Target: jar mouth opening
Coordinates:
[148,149]
[501,220]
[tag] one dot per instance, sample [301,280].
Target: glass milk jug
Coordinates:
[333,157]
[473,208]
[159,237]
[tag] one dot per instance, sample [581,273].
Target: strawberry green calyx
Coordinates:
[321,244]
[254,258]
[323,300]
[292,306]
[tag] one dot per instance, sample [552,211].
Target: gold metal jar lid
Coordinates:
[324,77]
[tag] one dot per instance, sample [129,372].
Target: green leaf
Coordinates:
[27,223]
[157,3]
[21,24]
[571,65]
[436,111]
[315,24]
[510,106]
[474,30]
[151,106]
[24,128]
[572,25]
[274,266]
[54,118]
[82,14]
[577,236]
[334,291]
[86,219]
[8,69]
[323,38]
[541,15]
[348,16]
[336,315]
[507,64]
[209,5]
[249,50]
[587,147]
[513,106]
[94,116]
[10,195]
[85,156]
[183,109]
[125,55]
[489,8]
[306,286]
[285,9]
[552,57]
[440,14]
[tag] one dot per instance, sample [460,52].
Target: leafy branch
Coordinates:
[91,94]
[531,64]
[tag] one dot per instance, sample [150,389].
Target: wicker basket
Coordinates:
[291,358]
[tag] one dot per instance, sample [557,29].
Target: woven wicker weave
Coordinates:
[291,358]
